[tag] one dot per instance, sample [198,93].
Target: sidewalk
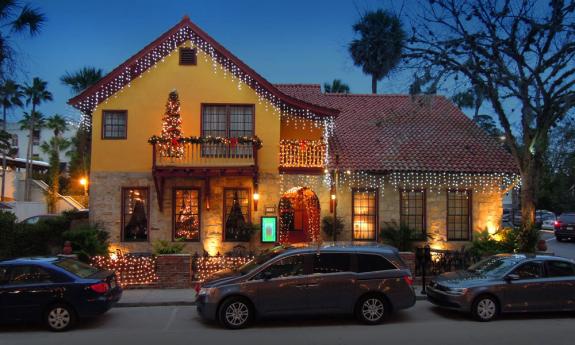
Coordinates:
[171,297]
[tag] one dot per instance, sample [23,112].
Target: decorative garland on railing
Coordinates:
[210,140]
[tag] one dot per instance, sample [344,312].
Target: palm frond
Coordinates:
[30,18]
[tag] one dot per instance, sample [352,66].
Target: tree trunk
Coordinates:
[528,236]
[373,84]
[27,184]
[2,197]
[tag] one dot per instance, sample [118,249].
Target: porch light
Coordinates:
[333,197]
[256,198]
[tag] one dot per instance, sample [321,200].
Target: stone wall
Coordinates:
[105,197]
[174,271]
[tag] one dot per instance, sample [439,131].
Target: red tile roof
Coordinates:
[402,133]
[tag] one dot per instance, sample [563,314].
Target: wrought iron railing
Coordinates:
[302,153]
[437,261]
[203,266]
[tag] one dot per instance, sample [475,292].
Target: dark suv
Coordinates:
[565,226]
[369,281]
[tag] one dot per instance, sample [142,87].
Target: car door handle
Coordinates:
[301,286]
[312,285]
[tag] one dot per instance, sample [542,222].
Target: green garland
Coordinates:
[154,139]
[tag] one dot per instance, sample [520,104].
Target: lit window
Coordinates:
[364,214]
[186,214]
[458,215]
[237,215]
[135,214]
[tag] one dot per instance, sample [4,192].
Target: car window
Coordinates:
[3,275]
[371,263]
[77,268]
[331,263]
[21,275]
[529,270]
[567,218]
[287,267]
[559,269]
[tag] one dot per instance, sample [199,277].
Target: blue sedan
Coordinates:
[57,291]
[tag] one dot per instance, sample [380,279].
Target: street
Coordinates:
[564,249]
[423,324]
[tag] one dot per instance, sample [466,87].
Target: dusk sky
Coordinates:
[294,41]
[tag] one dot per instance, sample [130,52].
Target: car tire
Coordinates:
[372,309]
[235,313]
[60,317]
[485,308]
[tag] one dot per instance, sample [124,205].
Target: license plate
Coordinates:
[570,228]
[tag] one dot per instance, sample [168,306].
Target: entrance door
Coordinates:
[299,212]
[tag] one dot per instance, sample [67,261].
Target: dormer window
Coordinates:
[188,57]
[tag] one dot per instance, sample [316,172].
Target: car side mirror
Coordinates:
[510,277]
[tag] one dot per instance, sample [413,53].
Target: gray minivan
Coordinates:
[368,281]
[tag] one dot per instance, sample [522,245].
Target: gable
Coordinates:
[165,45]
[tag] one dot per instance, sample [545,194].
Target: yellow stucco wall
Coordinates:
[145,101]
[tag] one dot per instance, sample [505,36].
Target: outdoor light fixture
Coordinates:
[256,198]
[333,197]
[84,183]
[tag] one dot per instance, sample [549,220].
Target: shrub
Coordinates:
[502,241]
[527,239]
[166,247]
[87,241]
[7,229]
[401,236]
[327,226]
[40,239]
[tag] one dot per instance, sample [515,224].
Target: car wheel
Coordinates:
[60,317]
[485,308]
[235,313]
[372,309]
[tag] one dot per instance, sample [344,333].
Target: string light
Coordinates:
[208,265]
[130,269]
[302,153]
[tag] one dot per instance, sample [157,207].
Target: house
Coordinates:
[202,163]
[19,143]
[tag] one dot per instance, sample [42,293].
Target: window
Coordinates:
[331,263]
[3,275]
[228,121]
[36,137]
[135,213]
[559,269]
[21,275]
[412,210]
[188,57]
[237,214]
[114,124]
[458,215]
[372,263]
[186,214]
[77,268]
[364,207]
[287,267]
[529,270]
[14,140]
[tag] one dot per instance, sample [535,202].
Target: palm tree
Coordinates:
[10,95]
[53,148]
[58,124]
[82,79]
[79,81]
[16,18]
[336,86]
[379,48]
[36,94]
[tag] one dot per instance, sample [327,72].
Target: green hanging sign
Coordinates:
[269,229]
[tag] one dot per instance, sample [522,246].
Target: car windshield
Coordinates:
[494,266]
[260,259]
[78,268]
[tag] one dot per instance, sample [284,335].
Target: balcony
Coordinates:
[203,155]
[302,156]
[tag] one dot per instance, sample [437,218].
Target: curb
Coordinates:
[186,303]
[153,304]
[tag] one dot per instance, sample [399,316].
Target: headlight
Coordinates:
[457,291]
[205,291]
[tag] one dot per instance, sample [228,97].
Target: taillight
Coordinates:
[557,223]
[197,288]
[408,280]
[100,287]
